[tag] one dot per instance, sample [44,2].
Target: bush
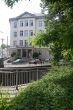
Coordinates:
[13,54]
[52,92]
[4,99]
[36,55]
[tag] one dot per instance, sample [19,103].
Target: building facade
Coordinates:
[21,28]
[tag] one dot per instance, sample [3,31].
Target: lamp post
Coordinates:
[3,40]
[7,46]
[1,62]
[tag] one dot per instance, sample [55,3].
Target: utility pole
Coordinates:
[7,46]
[1,62]
[2,46]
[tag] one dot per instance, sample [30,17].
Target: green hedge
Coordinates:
[52,92]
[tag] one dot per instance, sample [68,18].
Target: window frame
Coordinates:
[25,43]
[14,43]
[21,33]
[21,24]
[31,22]
[25,33]
[15,34]
[15,24]
[40,23]
[21,42]
[26,23]
[30,31]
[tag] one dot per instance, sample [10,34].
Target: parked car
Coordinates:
[19,61]
[35,61]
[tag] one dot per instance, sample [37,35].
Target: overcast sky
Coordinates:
[32,6]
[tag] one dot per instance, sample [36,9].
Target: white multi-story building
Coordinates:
[21,28]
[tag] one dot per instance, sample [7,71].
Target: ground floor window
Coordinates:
[23,53]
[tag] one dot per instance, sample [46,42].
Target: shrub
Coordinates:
[4,99]
[36,55]
[13,54]
[52,92]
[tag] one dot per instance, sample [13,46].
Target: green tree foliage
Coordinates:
[40,39]
[60,15]
[52,92]
[3,46]
[13,54]
[59,26]
[4,99]
[51,38]
[10,3]
[35,55]
[56,49]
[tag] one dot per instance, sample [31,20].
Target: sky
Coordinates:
[32,6]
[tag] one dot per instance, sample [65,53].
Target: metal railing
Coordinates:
[23,75]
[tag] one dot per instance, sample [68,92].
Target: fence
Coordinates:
[17,76]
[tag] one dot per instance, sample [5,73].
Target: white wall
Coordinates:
[35,28]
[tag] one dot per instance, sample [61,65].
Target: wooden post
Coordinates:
[37,74]
[16,80]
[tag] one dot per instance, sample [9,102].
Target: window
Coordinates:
[31,32]
[21,42]
[26,22]
[26,43]
[31,22]
[40,23]
[26,33]
[14,43]
[15,24]
[21,23]
[15,34]
[21,33]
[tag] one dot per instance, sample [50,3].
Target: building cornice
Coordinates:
[36,16]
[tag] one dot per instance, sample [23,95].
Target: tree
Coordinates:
[60,12]
[13,54]
[10,3]
[3,46]
[53,39]
[36,55]
[59,27]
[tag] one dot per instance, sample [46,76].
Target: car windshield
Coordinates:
[17,60]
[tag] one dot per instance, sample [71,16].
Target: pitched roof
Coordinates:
[38,15]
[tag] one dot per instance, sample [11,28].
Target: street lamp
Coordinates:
[1,60]
[2,42]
